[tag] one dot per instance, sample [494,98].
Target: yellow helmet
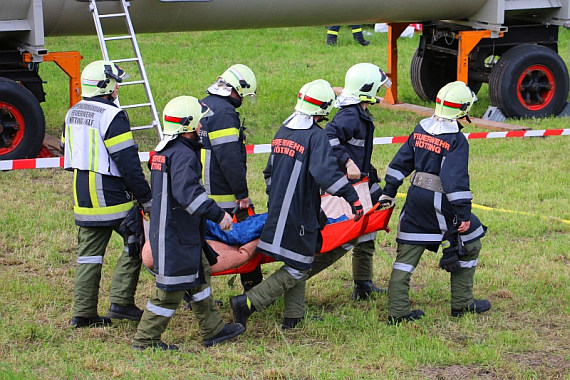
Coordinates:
[315,98]
[363,80]
[182,114]
[454,101]
[242,79]
[100,78]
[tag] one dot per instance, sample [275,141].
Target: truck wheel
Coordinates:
[428,76]
[529,81]
[22,123]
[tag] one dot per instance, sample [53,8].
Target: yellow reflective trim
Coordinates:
[70,139]
[223,133]
[93,189]
[223,198]
[76,202]
[103,210]
[119,139]
[357,30]
[334,33]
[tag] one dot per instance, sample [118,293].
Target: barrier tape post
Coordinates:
[57,162]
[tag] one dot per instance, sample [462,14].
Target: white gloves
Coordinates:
[352,170]
[226,222]
[386,201]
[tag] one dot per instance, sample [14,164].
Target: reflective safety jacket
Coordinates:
[301,162]
[100,149]
[223,157]
[351,135]
[427,214]
[178,215]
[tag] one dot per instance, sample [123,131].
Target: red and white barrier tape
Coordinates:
[57,162]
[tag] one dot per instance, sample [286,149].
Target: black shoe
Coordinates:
[80,322]
[240,309]
[291,323]
[157,346]
[478,306]
[131,312]
[228,332]
[364,43]
[414,314]
[250,279]
[364,289]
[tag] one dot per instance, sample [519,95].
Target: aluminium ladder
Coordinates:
[137,58]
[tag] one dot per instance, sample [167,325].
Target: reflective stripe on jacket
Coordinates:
[103,195]
[351,135]
[223,157]
[301,161]
[427,214]
[179,211]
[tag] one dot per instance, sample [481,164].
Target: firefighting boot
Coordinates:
[331,37]
[364,289]
[414,315]
[131,312]
[359,37]
[241,309]
[291,323]
[157,346]
[228,332]
[97,321]
[478,307]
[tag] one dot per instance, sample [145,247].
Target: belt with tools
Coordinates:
[427,181]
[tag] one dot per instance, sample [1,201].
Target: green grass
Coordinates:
[523,266]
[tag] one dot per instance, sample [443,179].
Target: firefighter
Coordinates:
[301,162]
[177,231]
[224,157]
[99,148]
[438,206]
[332,34]
[351,135]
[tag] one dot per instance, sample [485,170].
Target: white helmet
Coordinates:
[363,80]
[454,100]
[242,79]
[100,78]
[315,98]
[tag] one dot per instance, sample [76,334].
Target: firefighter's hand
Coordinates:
[386,201]
[243,203]
[352,170]
[464,226]
[357,210]
[226,222]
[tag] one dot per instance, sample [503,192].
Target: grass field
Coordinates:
[523,268]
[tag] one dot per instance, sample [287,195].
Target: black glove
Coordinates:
[452,249]
[357,210]
[132,229]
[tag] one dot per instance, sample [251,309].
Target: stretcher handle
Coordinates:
[250,212]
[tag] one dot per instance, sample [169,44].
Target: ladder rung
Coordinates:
[117,38]
[132,82]
[125,60]
[135,105]
[109,15]
[142,127]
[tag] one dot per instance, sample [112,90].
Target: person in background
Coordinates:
[99,147]
[300,164]
[438,206]
[177,231]
[351,135]
[224,156]
[332,34]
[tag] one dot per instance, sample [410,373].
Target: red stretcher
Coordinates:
[334,235]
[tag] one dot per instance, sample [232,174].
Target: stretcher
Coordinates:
[237,259]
